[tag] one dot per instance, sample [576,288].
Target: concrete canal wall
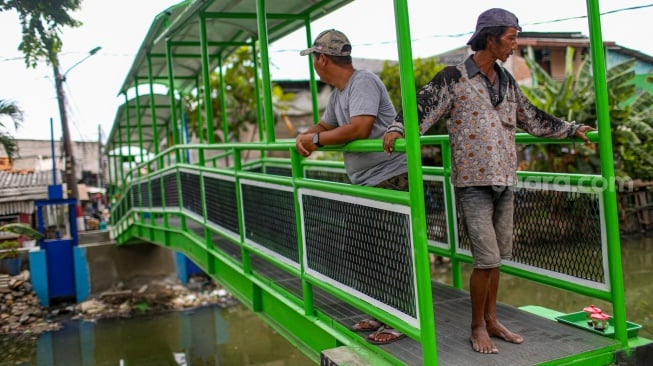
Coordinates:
[97,265]
[133,265]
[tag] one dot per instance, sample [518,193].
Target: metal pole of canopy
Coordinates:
[173,104]
[607,171]
[314,91]
[257,93]
[155,131]
[416,188]
[200,119]
[129,131]
[120,144]
[139,121]
[223,99]
[261,21]
[206,80]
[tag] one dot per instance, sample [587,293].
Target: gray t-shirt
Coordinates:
[365,94]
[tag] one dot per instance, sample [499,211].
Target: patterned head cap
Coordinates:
[330,42]
[495,17]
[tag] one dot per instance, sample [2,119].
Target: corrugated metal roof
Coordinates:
[18,190]
[9,179]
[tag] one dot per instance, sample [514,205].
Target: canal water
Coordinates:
[237,336]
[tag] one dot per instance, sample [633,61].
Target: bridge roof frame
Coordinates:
[229,25]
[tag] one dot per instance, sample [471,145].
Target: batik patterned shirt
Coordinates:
[482,121]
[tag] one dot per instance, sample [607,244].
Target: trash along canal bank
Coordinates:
[21,315]
[161,323]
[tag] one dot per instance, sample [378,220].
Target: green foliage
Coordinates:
[424,71]
[631,118]
[240,99]
[142,307]
[41,23]
[8,249]
[9,109]
[22,230]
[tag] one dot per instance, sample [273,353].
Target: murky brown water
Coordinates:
[207,336]
[237,336]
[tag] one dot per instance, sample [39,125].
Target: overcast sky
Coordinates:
[119,26]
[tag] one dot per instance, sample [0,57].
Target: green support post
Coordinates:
[198,114]
[155,129]
[261,21]
[313,81]
[173,104]
[121,144]
[307,288]
[607,170]
[417,209]
[257,93]
[223,100]
[129,132]
[206,80]
[456,269]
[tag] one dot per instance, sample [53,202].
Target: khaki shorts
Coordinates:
[488,216]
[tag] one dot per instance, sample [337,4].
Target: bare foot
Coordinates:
[481,341]
[496,329]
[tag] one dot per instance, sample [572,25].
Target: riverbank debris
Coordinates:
[21,313]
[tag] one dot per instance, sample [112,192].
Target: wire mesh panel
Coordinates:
[135,193]
[221,203]
[363,247]
[557,232]
[171,195]
[278,170]
[269,219]
[144,188]
[191,195]
[331,175]
[157,197]
[436,211]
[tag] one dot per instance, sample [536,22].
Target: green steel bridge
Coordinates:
[311,253]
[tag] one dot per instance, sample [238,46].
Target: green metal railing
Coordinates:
[216,187]
[171,193]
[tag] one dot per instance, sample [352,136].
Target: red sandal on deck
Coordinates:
[367,325]
[396,335]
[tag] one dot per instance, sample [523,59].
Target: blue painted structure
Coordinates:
[185,267]
[59,268]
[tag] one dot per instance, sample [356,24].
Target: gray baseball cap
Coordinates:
[330,42]
[495,17]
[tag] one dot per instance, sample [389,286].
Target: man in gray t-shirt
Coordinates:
[359,108]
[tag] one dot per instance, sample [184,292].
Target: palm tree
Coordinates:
[9,109]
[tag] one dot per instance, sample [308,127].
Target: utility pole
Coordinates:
[71,179]
[99,155]
[71,176]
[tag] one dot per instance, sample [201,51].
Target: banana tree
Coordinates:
[631,118]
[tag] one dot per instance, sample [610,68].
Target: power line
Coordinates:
[458,35]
